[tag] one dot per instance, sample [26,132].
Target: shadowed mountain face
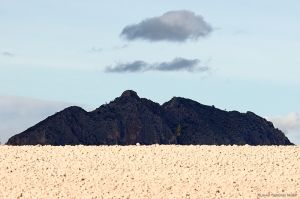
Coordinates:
[130,119]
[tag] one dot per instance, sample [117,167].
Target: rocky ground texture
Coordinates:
[154,171]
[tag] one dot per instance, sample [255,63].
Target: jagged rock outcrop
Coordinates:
[130,119]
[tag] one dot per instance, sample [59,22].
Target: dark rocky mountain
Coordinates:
[130,119]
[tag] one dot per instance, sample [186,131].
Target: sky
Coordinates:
[235,55]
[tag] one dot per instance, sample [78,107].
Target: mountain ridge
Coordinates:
[129,119]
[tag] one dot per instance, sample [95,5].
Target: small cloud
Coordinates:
[177,64]
[121,47]
[94,50]
[7,54]
[174,26]
[136,66]
[240,32]
[289,124]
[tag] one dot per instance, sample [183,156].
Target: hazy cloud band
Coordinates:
[177,64]
[7,54]
[289,124]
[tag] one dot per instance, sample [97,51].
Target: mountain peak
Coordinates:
[130,93]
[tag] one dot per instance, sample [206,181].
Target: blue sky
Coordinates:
[239,55]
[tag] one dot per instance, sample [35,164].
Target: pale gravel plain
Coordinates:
[156,171]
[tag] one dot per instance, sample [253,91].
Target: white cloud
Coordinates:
[289,124]
[19,113]
[176,26]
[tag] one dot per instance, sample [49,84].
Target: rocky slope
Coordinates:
[130,119]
